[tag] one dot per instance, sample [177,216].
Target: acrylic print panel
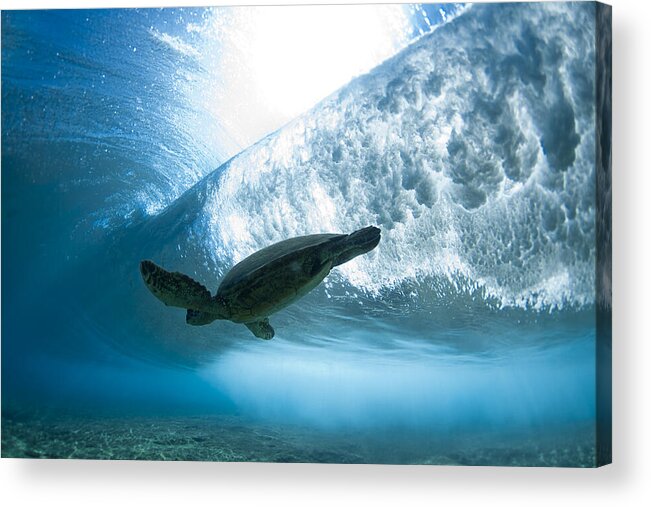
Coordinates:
[454,161]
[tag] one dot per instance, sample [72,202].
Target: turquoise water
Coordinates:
[467,134]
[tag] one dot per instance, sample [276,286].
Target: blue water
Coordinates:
[466,133]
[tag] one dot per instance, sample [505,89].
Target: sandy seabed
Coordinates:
[234,438]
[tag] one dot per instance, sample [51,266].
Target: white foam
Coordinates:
[447,158]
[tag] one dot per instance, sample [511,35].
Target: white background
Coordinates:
[626,482]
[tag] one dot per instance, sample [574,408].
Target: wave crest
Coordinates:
[473,149]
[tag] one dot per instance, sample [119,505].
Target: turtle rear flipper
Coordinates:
[261,329]
[175,289]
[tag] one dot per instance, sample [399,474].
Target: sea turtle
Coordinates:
[263,283]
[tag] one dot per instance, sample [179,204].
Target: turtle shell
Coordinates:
[275,276]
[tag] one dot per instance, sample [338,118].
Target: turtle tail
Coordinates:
[356,243]
[175,289]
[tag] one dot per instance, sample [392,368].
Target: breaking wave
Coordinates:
[473,149]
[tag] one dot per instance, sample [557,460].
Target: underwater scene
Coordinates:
[331,234]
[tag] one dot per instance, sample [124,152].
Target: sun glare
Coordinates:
[268,65]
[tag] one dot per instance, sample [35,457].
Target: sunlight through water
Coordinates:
[281,61]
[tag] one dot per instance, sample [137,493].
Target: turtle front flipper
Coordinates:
[261,329]
[198,318]
[175,289]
